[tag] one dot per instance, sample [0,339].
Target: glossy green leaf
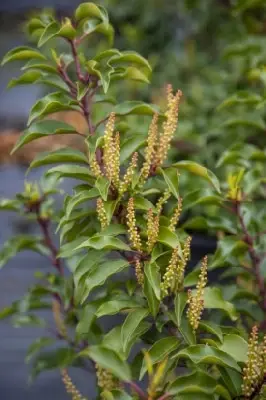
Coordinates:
[113,307]
[130,144]
[86,319]
[22,53]
[186,331]
[80,198]
[71,171]
[227,247]
[42,129]
[236,346]
[130,325]
[110,360]
[59,358]
[232,380]
[159,351]
[199,170]
[100,242]
[152,273]
[36,346]
[135,108]
[222,392]
[211,327]
[90,10]
[62,155]
[102,184]
[180,304]
[141,203]
[169,238]
[10,205]
[49,104]
[27,78]
[204,354]
[213,299]
[97,277]
[39,65]
[197,383]
[171,178]
[49,32]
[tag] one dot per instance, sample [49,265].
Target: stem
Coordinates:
[76,61]
[255,259]
[164,396]
[44,225]
[137,390]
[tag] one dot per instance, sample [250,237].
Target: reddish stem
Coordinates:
[253,255]
[137,390]
[80,75]
[164,396]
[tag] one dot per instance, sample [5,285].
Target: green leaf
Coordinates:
[86,319]
[36,346]
[10,205]
[135,108]
[59,358]
[49,104]
[22,53]
[204,354]
[152,273]
[20,243]
[87,263]
[239,98]
[199,170]
[171,178]
[159,351]
[27,78]
[80,198]
[97,277]
[116,395]
[180,304]
[113,307]
[102,184]
[43,129]
[213,299]
[197,383]
[187,331]
[130,144]
[232,380]
[49,32]
[227,247]
[40,65]
[141,203]
[110,360]
[90,10]
[152,300]
[62,155]
[131,73]
[211,327]
[236,346]
[100,242]
[222,392]
[130,325]
[169,238]
[71,171]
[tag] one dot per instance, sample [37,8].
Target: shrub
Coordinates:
[124,247]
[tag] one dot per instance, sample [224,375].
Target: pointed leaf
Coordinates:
[180,304]
[171,178]
[22,53]
[213,299]
[130,325]
[62,155]
[135,107]
[236,346]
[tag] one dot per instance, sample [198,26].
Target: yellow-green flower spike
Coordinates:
[153,224]
[127,180]
[132,227]
[176,215]
[196,301]
[59,323]
[169,126]
[254,370]
[150,149]
[70,387]
[108,148]
[116,161]
[101,213]
[162,200]
[169,277]
[181,265]
[105,379]
[95,168]
[139,272]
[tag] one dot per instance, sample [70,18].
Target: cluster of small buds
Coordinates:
[59,323]
[132,227]
[95,168]
[70,387]
[101,213]
[153,225]
[150,149]
[162,200]
[196,302]
[176,215]
[111,153]
[255,366]
[169,126]
[174,275]
[127,180]
[182,263]
[116,160]
[169,277]
[139,272]
[105,379]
